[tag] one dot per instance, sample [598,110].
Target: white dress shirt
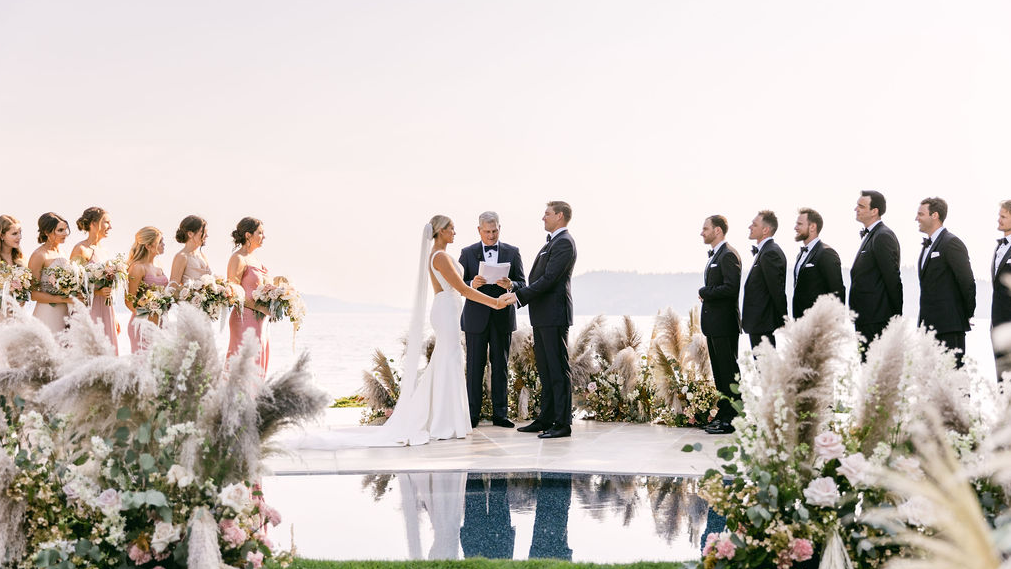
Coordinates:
[803,258]
[998,256]
[490,256]
[933,245]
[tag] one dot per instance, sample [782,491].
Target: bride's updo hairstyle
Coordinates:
[48,222]
[146,237]
[90,216]
[438,223]
[245,225]
[190,224]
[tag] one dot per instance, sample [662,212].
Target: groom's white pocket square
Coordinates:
[934,254]
[1009,261]
[809,265]
[714,264]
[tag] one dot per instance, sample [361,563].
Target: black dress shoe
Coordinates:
[474,422]
[556,432]
[711,424]
[724,428]
[500,422]
[534,427]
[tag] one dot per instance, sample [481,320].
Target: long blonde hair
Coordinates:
[6,224]
[146,237]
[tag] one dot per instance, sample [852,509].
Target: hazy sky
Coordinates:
[345,125]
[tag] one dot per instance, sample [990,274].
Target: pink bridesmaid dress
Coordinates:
[103,313]
[238,324]
[137,343]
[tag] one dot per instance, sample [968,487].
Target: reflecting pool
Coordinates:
[452,515]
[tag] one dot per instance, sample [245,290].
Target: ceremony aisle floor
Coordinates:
[594,447]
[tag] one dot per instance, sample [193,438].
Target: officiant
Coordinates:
[489,332]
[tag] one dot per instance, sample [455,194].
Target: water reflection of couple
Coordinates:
[473,512]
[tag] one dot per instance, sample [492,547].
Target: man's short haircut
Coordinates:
[562,208]
[488,217]
[719,221]
[877,200]
[812,217]
[938,206]
[1006,205]
[769,219]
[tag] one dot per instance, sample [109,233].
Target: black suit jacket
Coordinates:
[820,274]
[764,305]
[947,287]
[549,294]
[475,316]
[875,283]
[1000,308]
[722,287]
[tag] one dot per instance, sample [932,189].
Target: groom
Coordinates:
[549,295]
[485,328]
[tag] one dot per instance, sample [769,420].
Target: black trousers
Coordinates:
[756,339]
[494,341]
[551,351]
[723,357]
[869,333]
[1000,357]
[954,341]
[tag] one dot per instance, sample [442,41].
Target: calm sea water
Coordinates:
[342,344]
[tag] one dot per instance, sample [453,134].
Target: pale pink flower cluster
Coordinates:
[829,445]
[721,544]
[233,535]
[270,514]
[256,558]
[856,469]
[138,555]
[801,549]
[822,492]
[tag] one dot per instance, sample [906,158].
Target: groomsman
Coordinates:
[875,283]
[818,269]
[1000,267]
[549,295]
[947,287]
[485,328]
[764,305]
[721,317]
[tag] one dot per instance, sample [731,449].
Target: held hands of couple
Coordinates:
[505,300]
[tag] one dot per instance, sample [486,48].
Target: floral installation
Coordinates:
[63,279]
[524,389]
[380,389]
[16,282]
[212,294]
[682,376]
[123,463]
[107,274]
[280,299]
[152,300]
[610,379]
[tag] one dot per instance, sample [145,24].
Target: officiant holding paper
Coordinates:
[489,332]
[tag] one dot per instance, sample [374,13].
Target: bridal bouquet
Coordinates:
[212,294]
[107,274]
[280,299]
[151,299]
[16,281]
[64,280]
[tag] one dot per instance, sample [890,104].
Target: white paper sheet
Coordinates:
[492,272]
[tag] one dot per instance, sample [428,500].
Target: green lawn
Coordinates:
[476,563]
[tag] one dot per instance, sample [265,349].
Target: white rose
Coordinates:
[164,534]
[689,396]
[109,502]
[918,511]
[856,469]
[908,465]
[829,445]
[179,476]
[236,497]
[822,492]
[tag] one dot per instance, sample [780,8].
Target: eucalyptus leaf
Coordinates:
[123,414]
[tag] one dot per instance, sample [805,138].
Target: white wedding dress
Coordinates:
[436,407]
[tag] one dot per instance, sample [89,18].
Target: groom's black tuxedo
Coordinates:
[549,296]
[488,330]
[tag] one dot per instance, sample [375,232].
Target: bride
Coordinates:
[434,405]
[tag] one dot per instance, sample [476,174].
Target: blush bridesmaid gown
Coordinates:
[137,342]
[103,313]
[246,318]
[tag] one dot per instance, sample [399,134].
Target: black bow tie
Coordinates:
[754,250]
[864,232]
[710,252]
[926,242]
[491,248]
[1002,241]
[803,250]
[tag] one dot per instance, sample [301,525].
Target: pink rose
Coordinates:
[725,549]
[138,555]
[801,549]
[256,558]
[710,541]
[856,469]
[822,492]
[233,535]
[829,445]
[271,515]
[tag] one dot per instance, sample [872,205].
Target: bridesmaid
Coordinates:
[95,221]
[247,271]
[147,245]
[10,241]
[51,309]
[190,263]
